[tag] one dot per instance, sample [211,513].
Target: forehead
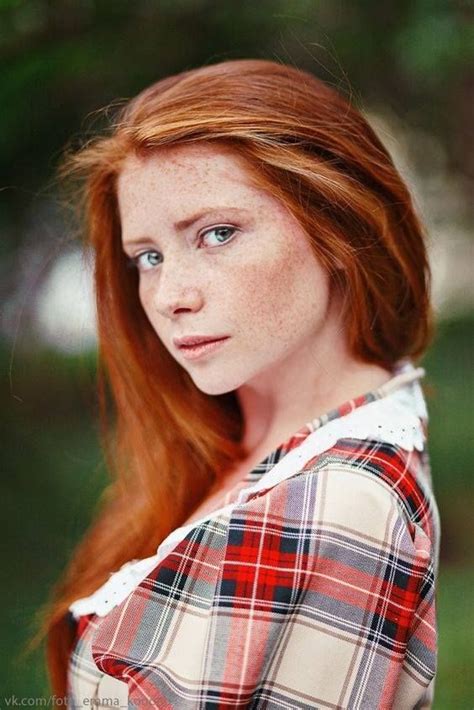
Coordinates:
[173,184]
[186,171]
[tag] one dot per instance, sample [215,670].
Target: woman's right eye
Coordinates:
[147,260]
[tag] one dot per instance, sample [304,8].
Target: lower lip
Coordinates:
[196,351]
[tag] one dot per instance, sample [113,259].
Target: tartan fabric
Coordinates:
[317,593]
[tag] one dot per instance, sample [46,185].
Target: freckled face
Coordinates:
[243,268]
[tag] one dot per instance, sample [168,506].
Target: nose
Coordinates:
[176,289]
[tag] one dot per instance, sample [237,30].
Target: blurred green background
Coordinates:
[407,64]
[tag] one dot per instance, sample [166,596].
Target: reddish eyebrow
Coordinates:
[189,221]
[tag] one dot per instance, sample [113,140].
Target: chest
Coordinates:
[219,496]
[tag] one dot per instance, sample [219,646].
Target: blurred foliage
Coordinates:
[453,690]
[63,60]
[55,475]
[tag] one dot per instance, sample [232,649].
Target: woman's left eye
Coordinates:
[223,234]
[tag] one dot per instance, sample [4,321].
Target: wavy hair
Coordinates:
[167,443]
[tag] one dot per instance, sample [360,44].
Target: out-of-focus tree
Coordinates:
[62,60]
[409,63]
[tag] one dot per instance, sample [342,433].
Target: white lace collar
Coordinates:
[395,416]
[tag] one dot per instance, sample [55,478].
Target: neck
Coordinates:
[280,401]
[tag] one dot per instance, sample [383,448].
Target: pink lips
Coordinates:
[193,347]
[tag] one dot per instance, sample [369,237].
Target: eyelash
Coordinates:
[135,260]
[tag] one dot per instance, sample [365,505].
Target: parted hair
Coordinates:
[166,442]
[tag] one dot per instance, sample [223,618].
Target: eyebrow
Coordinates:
[183,224]
[189,221]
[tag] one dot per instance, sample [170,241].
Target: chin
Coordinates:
[216,385]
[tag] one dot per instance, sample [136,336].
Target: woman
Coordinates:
[271,526]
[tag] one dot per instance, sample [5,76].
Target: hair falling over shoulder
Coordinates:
[166,442]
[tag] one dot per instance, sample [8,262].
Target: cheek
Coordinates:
[271,295]
[145,296]
[286,300]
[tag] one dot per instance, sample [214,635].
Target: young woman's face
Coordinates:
[217,257]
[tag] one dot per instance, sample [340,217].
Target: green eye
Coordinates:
[222,233]
[147,260]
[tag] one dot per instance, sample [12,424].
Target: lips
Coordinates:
[200,347]
[193,340]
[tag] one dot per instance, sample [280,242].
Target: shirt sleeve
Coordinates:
[325,598]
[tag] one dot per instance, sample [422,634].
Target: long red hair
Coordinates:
[167,442]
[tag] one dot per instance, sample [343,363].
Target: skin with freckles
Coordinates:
[243,268]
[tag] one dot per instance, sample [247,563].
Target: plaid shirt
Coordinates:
[314,591]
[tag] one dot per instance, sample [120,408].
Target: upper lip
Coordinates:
[196,339]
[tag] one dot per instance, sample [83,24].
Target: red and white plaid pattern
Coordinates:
[317,593]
